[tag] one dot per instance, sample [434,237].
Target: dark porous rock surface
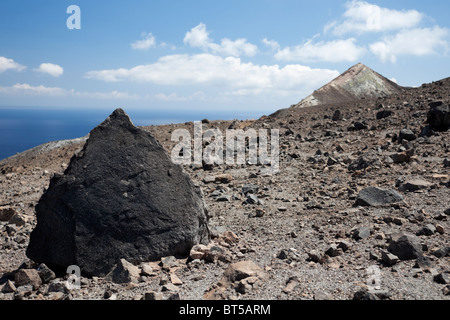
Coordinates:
[373,196]
[120,197]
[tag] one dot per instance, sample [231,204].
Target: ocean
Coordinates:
[24,128]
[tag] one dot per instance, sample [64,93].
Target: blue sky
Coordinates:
[257,56]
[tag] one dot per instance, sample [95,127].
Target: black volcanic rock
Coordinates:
[439,116]
[373,196]
[121,197]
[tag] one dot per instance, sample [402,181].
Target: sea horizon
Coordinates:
[23,128]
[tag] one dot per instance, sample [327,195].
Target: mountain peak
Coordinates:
[358,82]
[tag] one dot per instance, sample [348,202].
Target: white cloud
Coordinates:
[26,89]
[148,42]
[52,69]
[361,17]
[331,51]
[198,37]
[21,89]
[200,95]
[271,43]
[9,64]
[229,74]
[416,42]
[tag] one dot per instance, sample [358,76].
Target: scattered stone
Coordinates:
[315,256]
[406,134]
[9,287]
[250,188]
[45,273]
[414,185]
[169,287]
[423,262]
[373,196]
[401,157]
[446,163]
[344,245]
[388,258]
[6,213]
[25,277]
[58,285]
[120,197]
[427,230]
[243,269]
[446,290]
[224,178]
[152,295]
[175,280]
[442,278]
[252,199]
[169,262]
[356,126]
[333,250]
[442,252]
[321,295]
[361,233]
[124,272]
[383,114]
[291,284]
[440,229]
[337,115]
[405,246]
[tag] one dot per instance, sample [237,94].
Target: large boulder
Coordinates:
[439,116]
[121,197]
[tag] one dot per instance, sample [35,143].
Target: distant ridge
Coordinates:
[358,82]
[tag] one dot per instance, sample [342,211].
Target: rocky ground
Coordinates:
[311,231]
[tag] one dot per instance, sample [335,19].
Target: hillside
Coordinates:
[310,229]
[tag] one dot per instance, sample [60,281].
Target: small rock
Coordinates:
[250,188]
[383,114]
[440,229]
[442,278]
[315,256]
[320,295]
[252,199]
[175,280]
[243,269]
[405,246]
[169,262]
[414,185]
[427,230]
[406,134]
[291,284]
[6,213]
[25,277]
[373,196]
[224,178]
[124,272]
[57,285]
[9,287]
[169,287]
[152,295]
[401,157]
[389,258]
[423,262]
[442,252]
[361,233]
[446,290]
[337,115]
[344,245]
[332,251]
[45,273]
